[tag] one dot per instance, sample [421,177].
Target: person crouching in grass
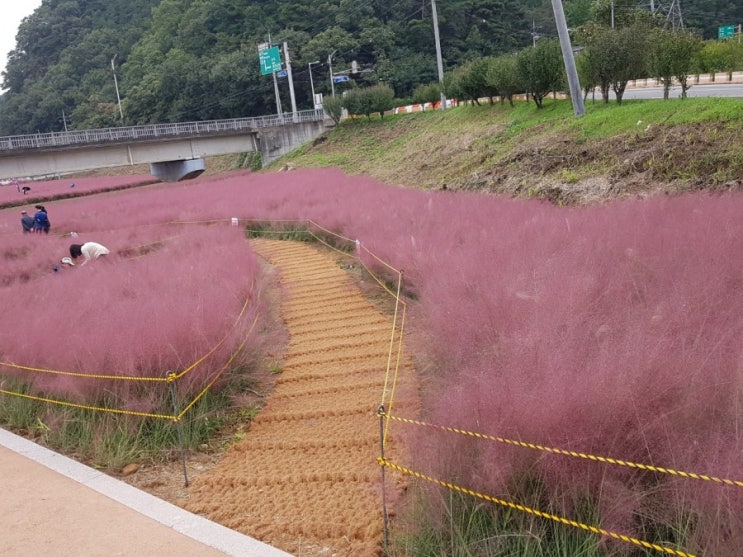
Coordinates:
[89,250]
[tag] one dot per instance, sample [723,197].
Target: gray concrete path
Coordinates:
[53,506]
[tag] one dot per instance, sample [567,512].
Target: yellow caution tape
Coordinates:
[522,508]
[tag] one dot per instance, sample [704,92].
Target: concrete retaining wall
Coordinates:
[280,140]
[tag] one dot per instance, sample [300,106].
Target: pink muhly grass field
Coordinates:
[47,190]
[163,298]
[612,330]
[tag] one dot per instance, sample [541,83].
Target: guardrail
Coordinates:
[152,131]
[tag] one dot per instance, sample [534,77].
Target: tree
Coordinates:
[541,69]
[578,12]
[472,29]
[427,93]
[334,108]
[355,103]
[719,56]
[613,57]
[622,13]
[366,101]
[671,54]
[382,98]
[470,82]
[502,73]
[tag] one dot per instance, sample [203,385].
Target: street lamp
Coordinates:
[116,84]
[312,85]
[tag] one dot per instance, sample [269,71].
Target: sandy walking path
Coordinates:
[305,478]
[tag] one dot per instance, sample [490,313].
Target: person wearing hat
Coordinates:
[27,222]
[89,250]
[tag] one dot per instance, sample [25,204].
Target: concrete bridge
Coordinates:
[173,151]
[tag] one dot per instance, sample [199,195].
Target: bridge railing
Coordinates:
[152,131]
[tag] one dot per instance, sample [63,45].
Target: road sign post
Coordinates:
[270,59]
[726,32]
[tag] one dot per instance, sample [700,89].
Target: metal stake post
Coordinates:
[178,427]
[385,515]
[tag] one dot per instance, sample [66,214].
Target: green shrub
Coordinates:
[333,107]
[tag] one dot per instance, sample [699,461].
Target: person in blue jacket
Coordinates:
[41,220]
[27,222]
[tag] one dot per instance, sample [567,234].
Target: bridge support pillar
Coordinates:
[175,171]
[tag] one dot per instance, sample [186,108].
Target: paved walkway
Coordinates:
[53,506]
[305,477]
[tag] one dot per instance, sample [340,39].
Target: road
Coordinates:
[706,90]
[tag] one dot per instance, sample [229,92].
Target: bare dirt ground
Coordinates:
[304,477]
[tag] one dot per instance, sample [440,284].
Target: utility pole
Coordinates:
[291,81]
[312,84]
[275,84]
[330,66]
[279,111]
[116,84]
[612,14]
[439,62]
[567,56]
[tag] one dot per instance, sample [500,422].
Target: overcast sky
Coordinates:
[13,11]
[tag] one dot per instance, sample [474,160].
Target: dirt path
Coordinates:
[305,478]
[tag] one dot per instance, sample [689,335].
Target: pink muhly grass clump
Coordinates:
[612,331]
[163,299]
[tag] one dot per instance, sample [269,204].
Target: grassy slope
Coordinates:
[613,151]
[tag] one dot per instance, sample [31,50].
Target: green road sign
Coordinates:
[726,32]
[270,60]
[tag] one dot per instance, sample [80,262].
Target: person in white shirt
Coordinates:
[89,250]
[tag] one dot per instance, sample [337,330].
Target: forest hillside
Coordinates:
[186,60]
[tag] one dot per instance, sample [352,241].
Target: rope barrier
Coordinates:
[216,346]
[85,375]
[575,454]
[218,375]
[170,378]
[566,521]
[330,232]
[88,406]
[397,362]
